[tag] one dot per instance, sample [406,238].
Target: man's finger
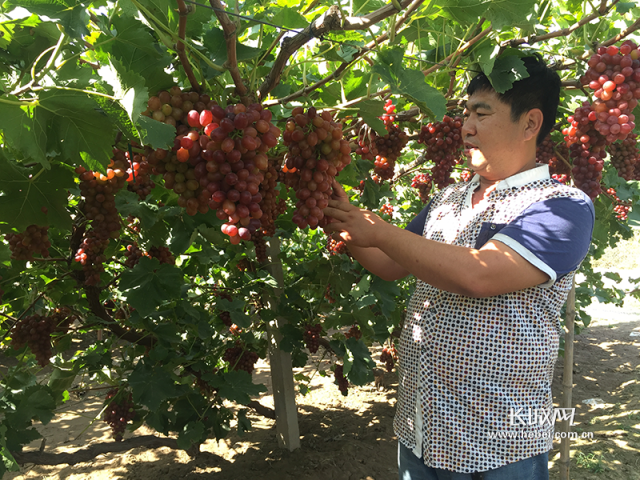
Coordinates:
[335,213]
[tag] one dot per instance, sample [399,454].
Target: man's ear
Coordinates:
[533,123]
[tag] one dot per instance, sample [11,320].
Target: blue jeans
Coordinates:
[413,468]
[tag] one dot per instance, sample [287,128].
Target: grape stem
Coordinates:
[182,31]
[460,49]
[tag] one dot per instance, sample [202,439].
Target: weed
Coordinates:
[590,461]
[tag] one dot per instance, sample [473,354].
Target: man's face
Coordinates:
[491,139]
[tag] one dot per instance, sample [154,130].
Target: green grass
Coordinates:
[590,461]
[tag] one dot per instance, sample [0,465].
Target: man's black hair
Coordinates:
[541,89]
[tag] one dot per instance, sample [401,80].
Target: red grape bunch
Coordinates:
[466,175]
[389,148]
[556,155]
[34,239]
[240,358]
[367,147]
[139,174]
[316,154]
[621,209]
[35,331]
[163,255]
[172,106]
[133,254]
[614,75]
[386,209]
[354,332]
[119,410]
[625,157]
[311,336]
[423,183]
[389,357]
[444,148]
[340,380]
[327,294]
[99,207]
[337,247]
[260,245]
[218,160]
[388,117]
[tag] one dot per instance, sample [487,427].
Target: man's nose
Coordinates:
[468,128]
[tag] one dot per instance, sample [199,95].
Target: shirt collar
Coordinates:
[540,172]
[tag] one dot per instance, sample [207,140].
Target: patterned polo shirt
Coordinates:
[467,365]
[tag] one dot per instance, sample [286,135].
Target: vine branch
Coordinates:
[182,55]
[460,49]
[229,29]
[331,20]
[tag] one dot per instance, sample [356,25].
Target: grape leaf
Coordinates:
[499,12]
[24,133]
[215,43]
[370,110]
[77,127]
[236,386]
[128,87]
[35,402]
[192,433]
[358,364]
[156,134]
[25,192]
[134,47]
[71,14]
[506,70]
[150,284]
[409,83]
[151,386]
[289,18]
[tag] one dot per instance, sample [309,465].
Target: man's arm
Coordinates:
[493,270]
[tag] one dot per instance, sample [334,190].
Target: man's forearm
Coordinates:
[378,263]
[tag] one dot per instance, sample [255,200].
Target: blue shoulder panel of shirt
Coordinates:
[557,231]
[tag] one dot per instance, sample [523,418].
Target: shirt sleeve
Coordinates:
[554,235]
[417,224]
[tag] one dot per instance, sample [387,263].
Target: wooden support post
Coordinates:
[567,382]
[284,394]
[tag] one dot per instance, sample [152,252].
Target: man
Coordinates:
[495,260]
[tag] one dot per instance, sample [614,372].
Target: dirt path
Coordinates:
[351,438]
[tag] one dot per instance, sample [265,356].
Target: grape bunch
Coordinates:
[139,174]
[388,117]
[163,255]
[423,183]
[367,147]
[621,209]
[119,410]
[133,254]
[354,332]
[240,359]
[337,247]
[586,149]
[34,240]
[625,157]
[389,149]
[311,336]
[327,294]
[386,209]
[555,155]
[260,245]
[389,357]
[444,148]
[35,331]
[340,380]
[466,175]
[98,191]
[614,75]
[173,106]
[316,154]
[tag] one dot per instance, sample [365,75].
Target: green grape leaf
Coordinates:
[289,18]
[71,14]
[135,48]
[358,364]
[409,83]
[59,381]
[35,402]
[499,12]
[506,70]
[215,43]
[128,87]
[149,285]
[156,134]
[78,129]
[236,386]
[128,203]
[24,132]
[191,434]
[151,385]
[370,111]
[25,192]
